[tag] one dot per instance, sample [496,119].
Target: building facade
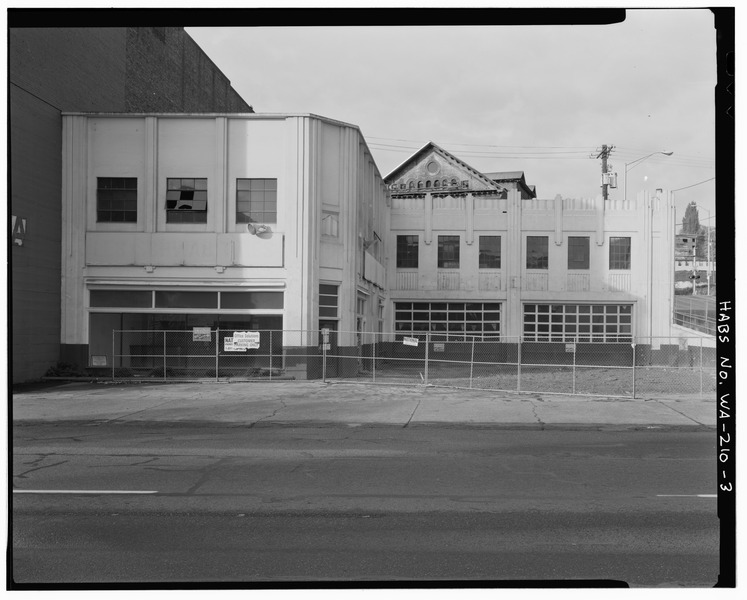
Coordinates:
[232,222]
[478,254]
[57,69]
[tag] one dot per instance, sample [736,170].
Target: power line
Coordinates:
[373,137]
[693,185]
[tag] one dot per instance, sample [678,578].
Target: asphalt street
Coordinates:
[130,502]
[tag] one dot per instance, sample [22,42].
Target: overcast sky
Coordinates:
[539,99]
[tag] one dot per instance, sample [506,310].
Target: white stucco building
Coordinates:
[283,223]
[478,253]
[243,221]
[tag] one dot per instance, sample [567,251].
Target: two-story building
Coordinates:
[478,254]
[222,221]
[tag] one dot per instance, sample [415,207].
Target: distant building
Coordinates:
[478,254]
[684,257]
[57,69]
[269,223]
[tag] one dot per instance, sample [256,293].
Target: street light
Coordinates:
[708,250]
[635,163]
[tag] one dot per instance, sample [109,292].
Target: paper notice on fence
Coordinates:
[229,346]
[246,339]
[410,341]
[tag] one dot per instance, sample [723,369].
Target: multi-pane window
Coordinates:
[537,252]
[448,251]
[116,199]
[407,252]
[256,200]
[578,252]
[620,253]
[490,252]
[448,320]
[328,302]
[186,200]
[578,322]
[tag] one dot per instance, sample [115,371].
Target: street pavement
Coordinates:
[317,404]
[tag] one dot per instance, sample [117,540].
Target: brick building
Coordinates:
[58,69]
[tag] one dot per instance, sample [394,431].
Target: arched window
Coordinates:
[446,182]
[436,183]
[453,181]
[428,183]
[420,184]
[412,184]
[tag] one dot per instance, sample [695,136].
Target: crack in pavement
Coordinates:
[275,412]
[678,412]
[23,475]
[137,412]
[413,412]
[534,410]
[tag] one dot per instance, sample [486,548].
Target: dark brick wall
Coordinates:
[55,70]
[168,72]
[72,69]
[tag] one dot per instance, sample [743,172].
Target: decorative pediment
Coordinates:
[434,170]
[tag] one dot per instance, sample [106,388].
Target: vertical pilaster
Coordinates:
[220,176]
[512,317]
[428,208]
[469,207]
[148,196]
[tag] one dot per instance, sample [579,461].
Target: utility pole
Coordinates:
[604,155]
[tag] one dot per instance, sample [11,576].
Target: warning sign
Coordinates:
[410,341]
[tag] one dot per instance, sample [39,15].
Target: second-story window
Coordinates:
[186,200]
[116,199]
[620,253]
[537,252]
[490,252]
[407,252]
[256,200]
[448,251]
[578,252]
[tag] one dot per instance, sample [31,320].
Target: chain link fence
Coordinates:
[640,368]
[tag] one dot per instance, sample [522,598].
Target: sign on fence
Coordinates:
[229,346]
[438,347]
[201,334]
[246,339]
[410,341]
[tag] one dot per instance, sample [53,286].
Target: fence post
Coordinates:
[164,355]
[114,335]
[472,362]
[574,365]
[518,367]
[427,343]
[324,360]
[701,366]
[217,342]
[270,354]
[633,345]
[373,356]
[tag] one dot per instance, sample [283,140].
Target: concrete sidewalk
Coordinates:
[314,404]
